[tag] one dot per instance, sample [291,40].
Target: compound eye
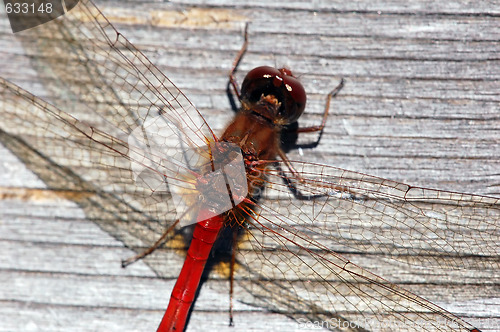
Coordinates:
[296,90]
[263,72]
[261,81]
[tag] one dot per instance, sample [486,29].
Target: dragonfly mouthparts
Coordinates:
[270,99]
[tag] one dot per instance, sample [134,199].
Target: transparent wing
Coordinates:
[95,74]
[86,165]
[363,213]
[296,234]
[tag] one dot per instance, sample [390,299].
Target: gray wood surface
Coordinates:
[421,105]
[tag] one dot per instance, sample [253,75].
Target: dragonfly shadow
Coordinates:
[290,135]
[231,98]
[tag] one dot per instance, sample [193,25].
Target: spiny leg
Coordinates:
[329,97]
[155,246]
[236,61]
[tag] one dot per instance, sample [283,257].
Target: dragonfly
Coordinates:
[285,255]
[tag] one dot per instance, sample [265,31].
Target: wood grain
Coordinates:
[420,105]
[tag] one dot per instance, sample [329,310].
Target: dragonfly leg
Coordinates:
[288,164]
[236,61]
[155,246]
[329,97]
[341,189]
[295,174]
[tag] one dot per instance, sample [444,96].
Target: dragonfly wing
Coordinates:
[350,211]
[320,231]
[86,165]
[92,72]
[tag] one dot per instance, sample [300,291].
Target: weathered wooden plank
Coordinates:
[420,105]
[55,318]
[395,6]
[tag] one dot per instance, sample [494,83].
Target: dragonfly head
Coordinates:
[278,87]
